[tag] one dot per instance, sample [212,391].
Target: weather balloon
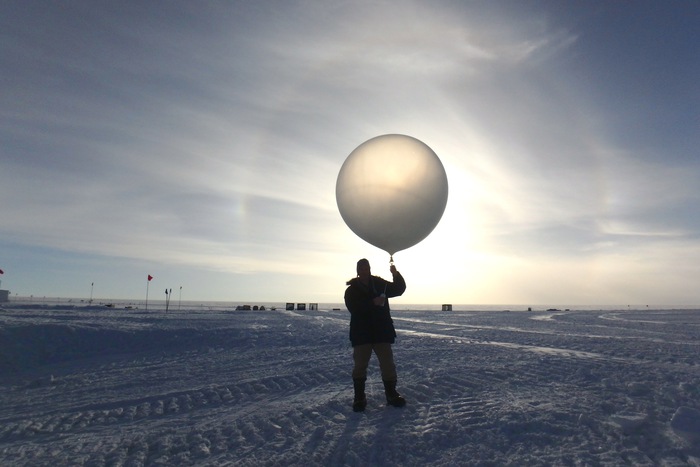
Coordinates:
[392,191]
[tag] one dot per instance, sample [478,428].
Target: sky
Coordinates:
[200,143]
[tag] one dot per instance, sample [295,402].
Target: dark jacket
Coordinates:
[371,324]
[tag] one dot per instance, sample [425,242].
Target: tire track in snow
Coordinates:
[238,427]
[168,404]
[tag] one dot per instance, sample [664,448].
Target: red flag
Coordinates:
[150,277]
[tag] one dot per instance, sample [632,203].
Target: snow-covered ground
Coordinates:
[99,386]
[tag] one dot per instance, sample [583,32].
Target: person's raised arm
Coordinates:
[398,284]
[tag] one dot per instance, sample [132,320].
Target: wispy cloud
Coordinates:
[211,135]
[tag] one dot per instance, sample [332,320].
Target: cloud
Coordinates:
[211,135]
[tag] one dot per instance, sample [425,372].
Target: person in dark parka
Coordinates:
[372,329]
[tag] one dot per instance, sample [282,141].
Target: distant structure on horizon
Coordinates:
[4,296]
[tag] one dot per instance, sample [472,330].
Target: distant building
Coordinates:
[290,306]
[4,296]
[301,306]
[446,307]
[313,306]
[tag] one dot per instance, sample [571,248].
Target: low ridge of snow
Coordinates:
[93,386]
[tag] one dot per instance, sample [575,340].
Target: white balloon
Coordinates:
[392,191]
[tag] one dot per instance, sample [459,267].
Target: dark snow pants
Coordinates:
[361,355]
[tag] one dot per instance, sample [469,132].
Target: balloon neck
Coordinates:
[391,259]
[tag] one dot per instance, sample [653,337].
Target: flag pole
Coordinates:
[92,286]
[179,301]
[168,296]
[148,282]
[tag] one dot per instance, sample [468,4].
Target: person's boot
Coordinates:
[392,396]
[360,401]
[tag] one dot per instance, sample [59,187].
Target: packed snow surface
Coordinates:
[106,386]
